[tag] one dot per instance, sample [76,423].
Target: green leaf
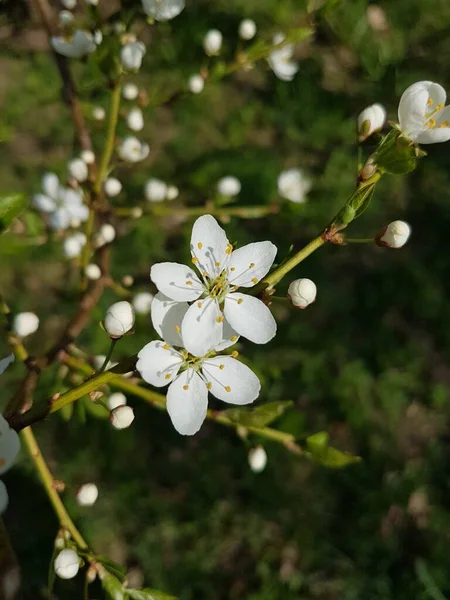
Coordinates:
[320,452]
[259,416]
[113,588]
[396,154]
[149,594]
[112,567]
[10,207]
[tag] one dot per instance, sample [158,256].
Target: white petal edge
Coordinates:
[171,279]
[251,318]
[231,380]
[158,363]
[187,402]
[209,246]
[249,264]
[202,327]
[167,316]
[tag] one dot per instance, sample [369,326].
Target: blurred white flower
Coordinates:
[69,4]
[107,232]
[116,399]
[370,120]
[293,185]
[66,564]
[78,169]
[247,29]
[142,302]
[130,91]
[5,362]
[395,235]
[65,18]
[131,56]
[163,10]
[25,324]
[172,192]
[422,114]
[98,361]
[88,156]
[280,59]
[302,292]
[212,42]
[196,83]
[122,417]
[98,113]
[73,245]
[63,205]
[87,494]
[92,2]
[98,37]
[9,448]
[112,187]
[155,190]
[257,459]
[119,319]
[133,150]
[135,119]
[93,272]
[229,186]
[81,43]
[137,212]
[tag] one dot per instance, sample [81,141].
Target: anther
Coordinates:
[444,124]
[208,386]
[227,388]
[188,282]
[166,346]
[199,245]
[251,265]
[255,280]
[229,249]
[221,367]
[233,338]
[185,387]
[194,260]
[199,304]
[168,376]
[217,264]
[232,269]
[430,102]
[219,319]
[431,124]
[240,301]
[235,354]
[177,328]
[439,106]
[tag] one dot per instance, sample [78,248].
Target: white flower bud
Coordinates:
[135,119]
[78,169]
[196,83]
[65,18]
[127,280]
[122,417]
[371,119]
[119,319]
[66,564]
[98,113]
[59,543]
[130,91]
[69,4]
[133,150]
[247,29]
[98,37]
[229,186]
[257,459]
[131,56]
[88,156]
[73,245]
[115,400]
[212,42]
[172,192]
[112,187]
[137,212]
[142,302]
[155,190]
[93,272]
[107,232]
[302,292]
[25,324]
[87,494]
[395,235]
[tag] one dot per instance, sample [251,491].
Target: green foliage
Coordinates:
[320,452]
[10,207]
[260,416]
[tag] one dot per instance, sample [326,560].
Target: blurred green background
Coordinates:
[368,362]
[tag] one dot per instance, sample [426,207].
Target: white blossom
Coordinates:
[142,302]
[370,120]
[93,272]
[247,29]
[122,417]
[163,10]
[25,323]
[78,169]
[98,37]
[212,42]
[63,205]
[65,18]
[280,59]
[112,187]
[66,564]
[257,459]
[130,91]
[196,83]
[81,43]
[107,232]
[135,119]
[155,190]
[98,361]
[395,235]
[88,156]
[69,4]
[73,245]
[133,150]
[229,186]
[422,114]
[9,448]
[87,494]
[116,399]
[172,192]
[131,56]
[302,292]
[293,185]
[98,113]
[219,313]
[119,319]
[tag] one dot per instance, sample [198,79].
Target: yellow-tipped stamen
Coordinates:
[220,319]
[168,376]
[240,301]
[235,354]
[227,388]
[185,387]
[199,245]
[208,386]
[221,367]
[233,338]
[166,347]
[177,328]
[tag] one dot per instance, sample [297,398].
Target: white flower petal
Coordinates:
[250,317]
[51,185]
[432,136]
[167,316]
[284,70]
[158,363]
[231,380]
[249,264]
[187,402]
[209,246]
[44,203]
[9,445]
[60,219]
[229,337]
[3,498]
[163,10]
[202,327]
[172,279]
[5,362]
[413,105]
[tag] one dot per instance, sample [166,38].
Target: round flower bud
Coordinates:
[66,564]
[65,18]
[212,42]
[112,187]
[25,324]
[172,192]
[131,56]
[115,400]
[257,459]
[229,186]
[69,4]
[88,156]
[155,190]
[87,494]
[73,245]
[127,280]
[119,319]
[371,119]
[302,292]
[107,233]
[130,91]
[247,29]
[196,83]
[135,119]
[93,272]
[78,169]
[122,417]
[98,113]
[142,302]
[395,235]
[137,212]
